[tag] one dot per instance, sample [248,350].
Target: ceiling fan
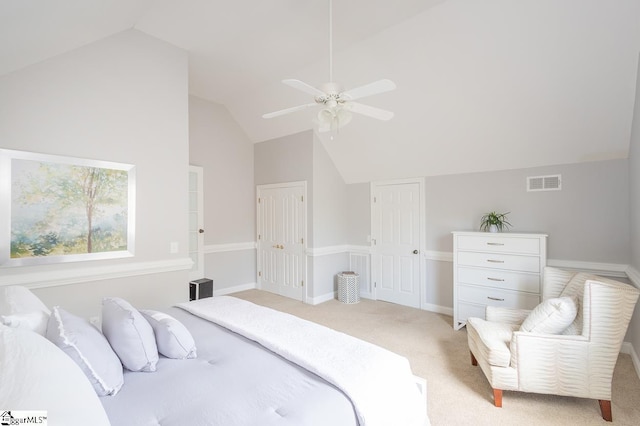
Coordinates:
[337,104]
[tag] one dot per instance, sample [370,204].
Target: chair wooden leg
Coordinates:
[605,408]
[474,361]
[497,397]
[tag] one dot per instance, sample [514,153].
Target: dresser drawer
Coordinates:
[499,244]
[500,261]
[497,297]
[517,281]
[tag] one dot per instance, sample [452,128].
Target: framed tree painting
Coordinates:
[62,209]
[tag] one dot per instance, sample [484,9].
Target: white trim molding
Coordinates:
[220,248]
[326,251]
[442,256]
[95,273]
[596,268]
[234,289]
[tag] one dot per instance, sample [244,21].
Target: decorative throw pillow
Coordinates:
[551,316]
[38,376]
[88,348]
[129,334]
[18,300]
[172,337]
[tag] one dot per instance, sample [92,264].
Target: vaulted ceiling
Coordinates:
[481,85]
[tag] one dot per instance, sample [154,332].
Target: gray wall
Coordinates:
[634,197]
[588,220]
[220,147]
[123,99]
[302,157]
[329,220]
[359,214]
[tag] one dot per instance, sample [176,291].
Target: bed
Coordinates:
[254,366]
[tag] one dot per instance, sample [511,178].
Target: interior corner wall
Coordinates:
[302,157]
[219,145]
[330,218]
[633,333]
[122,99]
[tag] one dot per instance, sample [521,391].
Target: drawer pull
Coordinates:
[495,244]
[495,279]
[495,298]
[495,261]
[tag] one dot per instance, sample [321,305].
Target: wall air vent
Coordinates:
[544,183]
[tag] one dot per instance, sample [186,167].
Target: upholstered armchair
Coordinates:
[576,361]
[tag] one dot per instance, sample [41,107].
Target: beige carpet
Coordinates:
[458,393]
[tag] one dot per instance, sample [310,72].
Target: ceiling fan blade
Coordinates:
[374,88]
[287,110]
[369,111]
[301,85]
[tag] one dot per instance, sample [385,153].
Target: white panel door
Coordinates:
[282,227]
[196,222]
[396,238]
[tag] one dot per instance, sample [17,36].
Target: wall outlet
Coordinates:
[173,247]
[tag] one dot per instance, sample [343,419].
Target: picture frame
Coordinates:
[56,209]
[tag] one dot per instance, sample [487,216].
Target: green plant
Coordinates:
[497,219]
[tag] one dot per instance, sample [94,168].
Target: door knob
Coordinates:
[201,231]
[415,252]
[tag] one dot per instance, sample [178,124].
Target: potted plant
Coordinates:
[494,222]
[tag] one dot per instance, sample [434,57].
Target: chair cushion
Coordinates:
[552,316]
[495,338]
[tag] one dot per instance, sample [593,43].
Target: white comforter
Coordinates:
[378,382]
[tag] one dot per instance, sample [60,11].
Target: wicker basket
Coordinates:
[348,288]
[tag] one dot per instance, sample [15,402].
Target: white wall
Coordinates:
[220,147]
[121,99]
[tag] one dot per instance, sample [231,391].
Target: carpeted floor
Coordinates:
[458,393]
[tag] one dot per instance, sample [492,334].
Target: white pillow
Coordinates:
[172,337]
[32,321]
[551,316]
[88,348]
[129,334]
[17,300]
[38,376]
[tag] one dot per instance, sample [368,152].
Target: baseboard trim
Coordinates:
[437,309]
[234,289]
[321,299]
[95,273]
[221,248]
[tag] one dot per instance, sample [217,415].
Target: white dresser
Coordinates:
[496,269]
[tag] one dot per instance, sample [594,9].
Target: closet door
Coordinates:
[281,214]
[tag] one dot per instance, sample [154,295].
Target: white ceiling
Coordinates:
[487,85]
